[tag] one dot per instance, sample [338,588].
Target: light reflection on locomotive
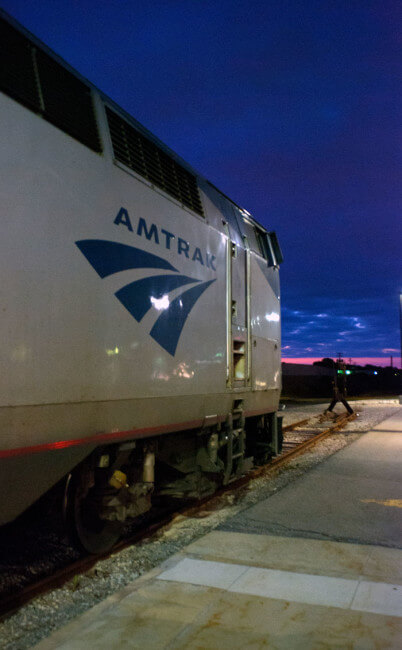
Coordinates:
[160,303]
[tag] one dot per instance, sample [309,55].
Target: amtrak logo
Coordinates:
[138,297]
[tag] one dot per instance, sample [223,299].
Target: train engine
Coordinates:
[140,309]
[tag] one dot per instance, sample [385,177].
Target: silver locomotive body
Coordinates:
[140,306]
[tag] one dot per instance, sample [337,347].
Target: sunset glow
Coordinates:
[357,361]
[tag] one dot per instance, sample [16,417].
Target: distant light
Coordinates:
[348,372]
[375,372]
[160,303]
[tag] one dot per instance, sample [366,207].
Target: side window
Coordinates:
[275,247]
[250,232]
[264,246]
[269,247]
[262,243]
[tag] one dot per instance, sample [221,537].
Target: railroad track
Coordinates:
[307,437]
[298,437]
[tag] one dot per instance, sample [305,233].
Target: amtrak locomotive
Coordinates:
[140,316]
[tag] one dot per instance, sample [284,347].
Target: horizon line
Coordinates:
[357,361]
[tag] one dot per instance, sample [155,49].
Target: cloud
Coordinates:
[328,325]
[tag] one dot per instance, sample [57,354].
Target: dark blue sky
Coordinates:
[293,109]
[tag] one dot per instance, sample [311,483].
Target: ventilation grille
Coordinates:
[17,72]
[33,78]
[144,157]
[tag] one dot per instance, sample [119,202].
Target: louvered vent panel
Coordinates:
[67,101]
[33,78]
[147,159]
[117,133]
[17,72]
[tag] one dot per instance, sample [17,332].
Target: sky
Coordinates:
[293,109]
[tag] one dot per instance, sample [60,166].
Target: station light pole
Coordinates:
[400,322]
[400,325]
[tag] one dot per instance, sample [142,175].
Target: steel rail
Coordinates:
[302,446]
[294,425]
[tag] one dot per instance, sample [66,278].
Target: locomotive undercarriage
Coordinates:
[118,483]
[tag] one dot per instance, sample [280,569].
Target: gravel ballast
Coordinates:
[47,613]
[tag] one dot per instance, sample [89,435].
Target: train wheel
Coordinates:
[81,506]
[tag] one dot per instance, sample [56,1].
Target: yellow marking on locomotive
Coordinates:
[118,480]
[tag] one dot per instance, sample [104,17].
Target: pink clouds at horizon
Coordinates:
[358,361]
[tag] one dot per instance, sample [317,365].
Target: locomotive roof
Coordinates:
[121,111]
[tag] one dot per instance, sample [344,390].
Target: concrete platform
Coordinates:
[349,497]
[324,570]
